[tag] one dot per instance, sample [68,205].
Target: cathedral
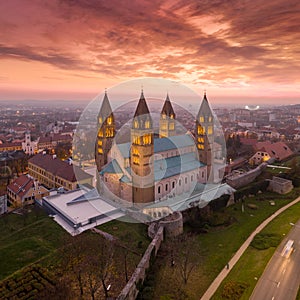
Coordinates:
[153,167]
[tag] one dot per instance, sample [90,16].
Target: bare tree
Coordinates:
[89,258]
[185,256]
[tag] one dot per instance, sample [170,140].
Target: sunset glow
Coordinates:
[74,49]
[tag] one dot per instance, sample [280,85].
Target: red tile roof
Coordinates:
[248,142]
[17,144]
[277,150]
[59,168]
[21,185]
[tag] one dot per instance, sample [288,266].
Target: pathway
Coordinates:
[216,283]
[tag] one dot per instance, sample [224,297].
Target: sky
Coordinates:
[246,50]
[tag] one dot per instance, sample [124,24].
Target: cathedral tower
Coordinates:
[142,150]
[204,134]
[106,132]
[167,120]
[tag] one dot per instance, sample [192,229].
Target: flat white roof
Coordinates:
[79,212]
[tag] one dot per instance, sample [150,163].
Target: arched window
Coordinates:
[158,189]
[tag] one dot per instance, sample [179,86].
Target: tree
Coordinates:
[185,255]
[89,258]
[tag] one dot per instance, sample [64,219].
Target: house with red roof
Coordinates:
[267,150]
[24,190]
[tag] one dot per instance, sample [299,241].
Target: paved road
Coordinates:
[218,280]
[281,278]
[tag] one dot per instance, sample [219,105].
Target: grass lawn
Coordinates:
[36,238]
[25,240]
[253,262]
[131,234]
[216,248]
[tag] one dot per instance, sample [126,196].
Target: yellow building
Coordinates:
[54,173]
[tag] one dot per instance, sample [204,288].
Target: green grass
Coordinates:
[253,262]
[217,247]
[19,254]
[132,234]
[25,240]
[36,238]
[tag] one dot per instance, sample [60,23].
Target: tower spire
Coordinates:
[167,119]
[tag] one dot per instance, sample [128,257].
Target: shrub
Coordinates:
[233,290]
[264,241]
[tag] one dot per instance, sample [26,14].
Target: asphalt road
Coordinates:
[281,278]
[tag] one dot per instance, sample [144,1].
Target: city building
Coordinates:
[54,173]
[24,190]
[51,141]
[10,146]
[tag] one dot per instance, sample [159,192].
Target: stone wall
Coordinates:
[130,291]
[280,185]
[173,224]
[238,180]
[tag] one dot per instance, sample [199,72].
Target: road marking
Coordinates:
[278,284]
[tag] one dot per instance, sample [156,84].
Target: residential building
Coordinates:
[267,150]
[24,190]
[54,173]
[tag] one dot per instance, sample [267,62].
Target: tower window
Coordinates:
[166,187]
[171,126]
[200,130]
[136,160]
[209,130]
[179,182]
[158,189]
[201,119]
[209,118]
[147,139]
[109,120]
[147,124]
[185,180]
[100,133]
[173,184]
[136,124]
[172,116]
[192,178]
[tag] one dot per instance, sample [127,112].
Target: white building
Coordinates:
[28,146]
